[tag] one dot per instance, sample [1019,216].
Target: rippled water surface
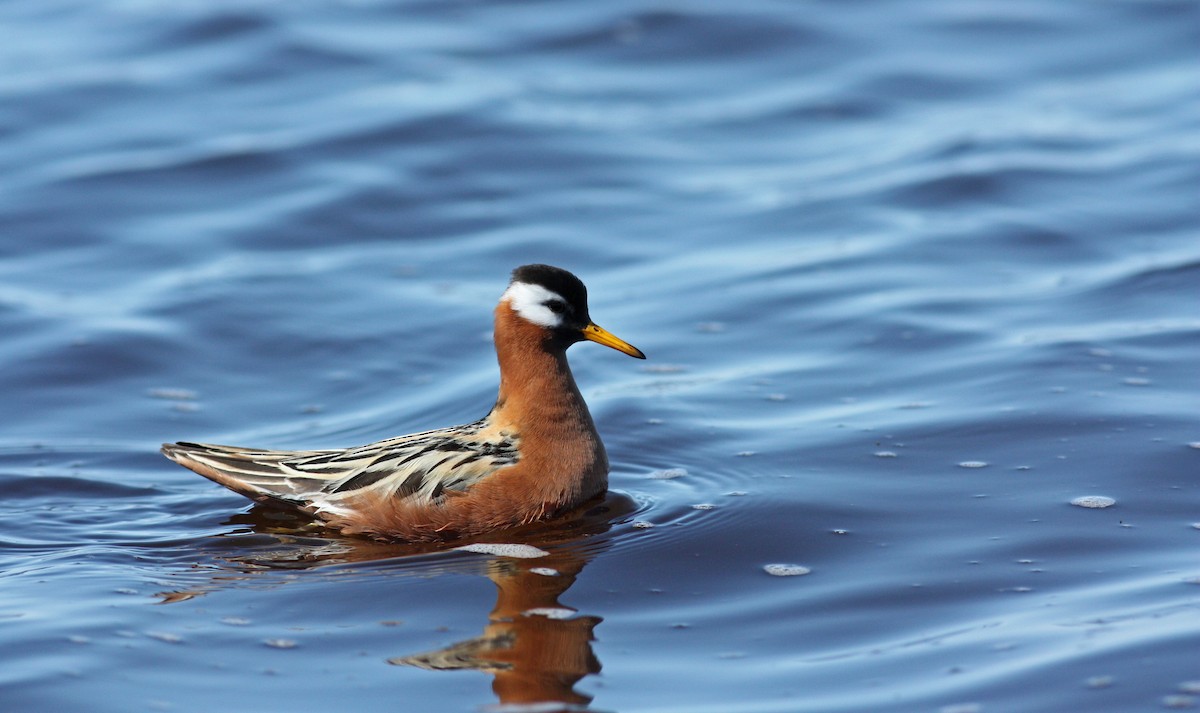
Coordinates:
[912,276]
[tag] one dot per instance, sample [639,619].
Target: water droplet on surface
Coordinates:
[786,570]
[885,454]
[667,474]
[516,551]
[281,643]
[1093,501]
[973,464]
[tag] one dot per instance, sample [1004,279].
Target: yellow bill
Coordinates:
[595,333]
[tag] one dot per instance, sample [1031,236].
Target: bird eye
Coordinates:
[556,306]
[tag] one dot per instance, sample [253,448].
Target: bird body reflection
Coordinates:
[536,649]
[535,656]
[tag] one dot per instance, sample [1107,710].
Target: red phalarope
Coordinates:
[534,455]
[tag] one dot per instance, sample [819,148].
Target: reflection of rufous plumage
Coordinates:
[536,454]
[536,649]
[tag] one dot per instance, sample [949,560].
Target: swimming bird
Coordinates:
[534,455]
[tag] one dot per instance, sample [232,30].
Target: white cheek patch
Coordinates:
[528,301]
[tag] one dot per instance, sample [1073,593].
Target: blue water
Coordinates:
[912,276]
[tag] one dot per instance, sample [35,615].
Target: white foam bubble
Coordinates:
[165,636]
[504,550]
[667,474]
[171,394]
[786,570]
[1179,701]
[1094,501]
[281,643]
[550,612]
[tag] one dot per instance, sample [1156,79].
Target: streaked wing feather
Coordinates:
[423,466]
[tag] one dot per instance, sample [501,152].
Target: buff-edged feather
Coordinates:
[420,468]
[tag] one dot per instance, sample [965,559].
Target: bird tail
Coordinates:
[260,475]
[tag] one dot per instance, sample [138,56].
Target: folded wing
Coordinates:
[425,468]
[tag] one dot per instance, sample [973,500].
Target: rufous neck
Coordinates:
[536,384]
